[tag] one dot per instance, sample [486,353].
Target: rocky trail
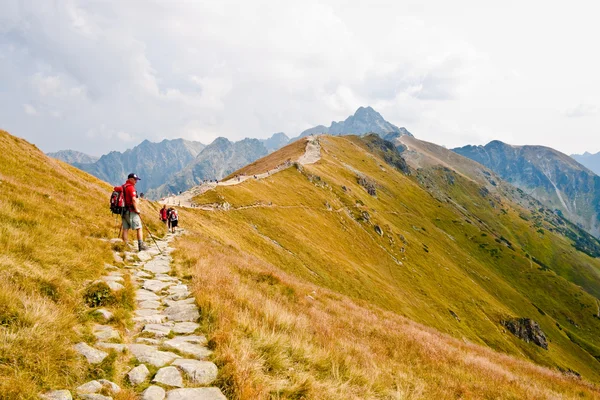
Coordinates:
[165,337]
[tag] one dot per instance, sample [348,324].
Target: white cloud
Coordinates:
[29,109]
[206,69]
[582,110]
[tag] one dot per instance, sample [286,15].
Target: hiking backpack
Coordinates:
[117,200]
[173,215]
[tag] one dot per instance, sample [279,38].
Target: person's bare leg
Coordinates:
[125,231]
[140,234]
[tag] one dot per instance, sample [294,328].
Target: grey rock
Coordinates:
[116,240]
[105,332]
[200,372]
[178,289]
[527,330]
[155,285]
[89,387]
[111,278]
[211,393]
[118,347]
[169,376]
[197,350]
[146,295]
[110,266]
[118,259]
[150,355]
[151,319]
[105,313]
[171,303]
[92,355]
[142,274]
[153,393]
[145,312]
[151,342]
[149,304]
[182,313]
[57,395]
[185,327]
[144,256]
[138,374]
[158,266]
[166,278]
[159,330]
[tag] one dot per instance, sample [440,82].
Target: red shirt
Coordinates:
[163,214]
[130,194]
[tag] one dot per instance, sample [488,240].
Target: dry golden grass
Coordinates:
[291,152]
[277,337]
[52,217]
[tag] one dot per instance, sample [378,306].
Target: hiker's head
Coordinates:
[133,178]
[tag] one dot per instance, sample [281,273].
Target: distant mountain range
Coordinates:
[553,178]
[176,165]
[216,161]
[72,157]
[591,161]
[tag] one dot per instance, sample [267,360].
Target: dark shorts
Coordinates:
[174,224]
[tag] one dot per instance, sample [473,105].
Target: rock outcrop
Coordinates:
[527,330]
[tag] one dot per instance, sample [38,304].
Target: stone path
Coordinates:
[165,337]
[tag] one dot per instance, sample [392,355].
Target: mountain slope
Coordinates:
[52,217]
[590,161]
[216,161]
[153,162]
[434,247]
[554,178]
[364,120]
[72,156]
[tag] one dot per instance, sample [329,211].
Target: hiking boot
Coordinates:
[142,246]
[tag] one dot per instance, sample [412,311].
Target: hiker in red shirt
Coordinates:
[163,214]
[131,217]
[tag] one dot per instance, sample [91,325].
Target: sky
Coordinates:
[97,76]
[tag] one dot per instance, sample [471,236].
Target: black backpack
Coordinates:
[117,200]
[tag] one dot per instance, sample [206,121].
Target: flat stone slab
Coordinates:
[113,279]
[158,265]
[169,376]
[179,295]
[144,256]
[151,319]
[185,327]
[89,387]
[145,295]
[145,340]
[57,395]
[138,374]
[149,304]
[159,330]
[178,289]
[93,356]
[118,347]
[211,393]
[105,332]
[171,303]
[182,313]
[200,372]
[117,258]
[197,350]
[155,285]
[166,278]
[142,274]
[150,355]
[145,312]
[153,393]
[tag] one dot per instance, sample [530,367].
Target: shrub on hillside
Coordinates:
[98,294]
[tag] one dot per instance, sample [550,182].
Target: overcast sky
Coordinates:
[96,76]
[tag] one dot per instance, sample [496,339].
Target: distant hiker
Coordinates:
[174,219]
[169,210]
[131,217]
[163,214]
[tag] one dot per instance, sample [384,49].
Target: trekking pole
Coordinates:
[120,226]
[150,233]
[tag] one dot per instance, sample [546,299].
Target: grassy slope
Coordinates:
[52,216]
[313,229]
